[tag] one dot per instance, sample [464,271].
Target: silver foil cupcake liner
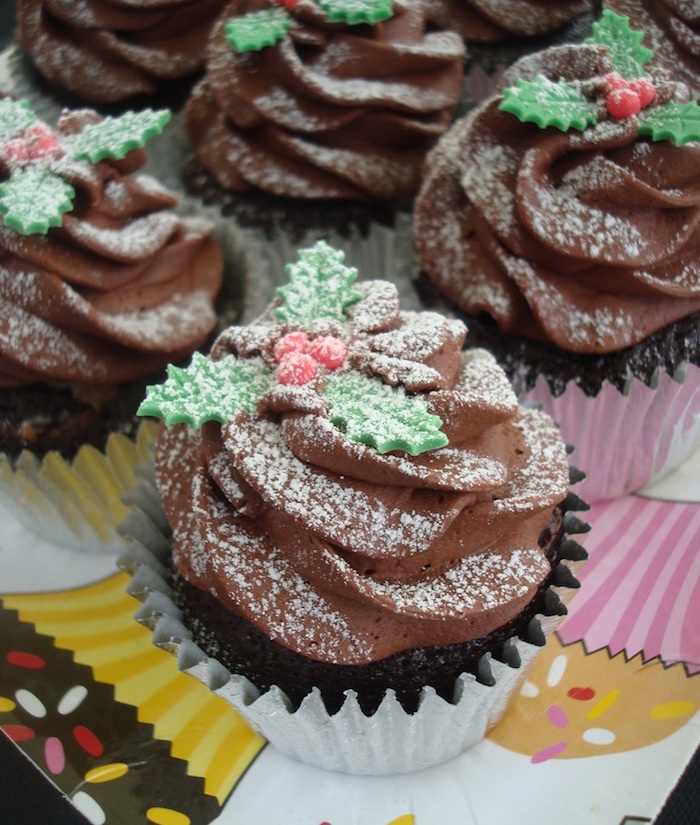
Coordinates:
[390,741]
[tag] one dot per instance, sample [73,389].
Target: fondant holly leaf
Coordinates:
[382,416]
[15,116]
[546,103]
[672,121]
[34,199]
[113,137]
[319,286]
[256,30]
[355,12]
[208,390]
[624,44]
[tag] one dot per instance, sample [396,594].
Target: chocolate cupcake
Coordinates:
[319,114]
[368,532]
[561,218]
[102,285]
[109,52]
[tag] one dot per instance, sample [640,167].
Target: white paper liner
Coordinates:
[625,441]
[390,741]
[76,503]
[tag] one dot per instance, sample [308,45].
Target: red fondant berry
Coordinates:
[329,351]
[42,141]
[17,150]
[296,368]
[645,90]
[292,342]
[614,80]
[623,103]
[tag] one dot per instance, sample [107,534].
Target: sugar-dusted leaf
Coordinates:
[208,390]
[113,137]
[33,199]
[355,12]
[679,123]
[546,103]
[258,29]
[382,416]
[624,44]
[318,288]
[15,117]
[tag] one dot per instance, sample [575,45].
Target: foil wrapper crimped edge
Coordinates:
[390,741]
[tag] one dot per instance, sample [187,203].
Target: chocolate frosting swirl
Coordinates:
[330,111]
[123,287]
[347,555]
[105,51]
[495,21]
[588,239]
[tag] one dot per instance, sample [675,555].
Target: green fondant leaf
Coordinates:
[385,417]
[679,123]
[546,103]
[256,30]
[319,286]
[208,390]
[34,199]
[15,116]
[355,12]
[113,137]
[624,44]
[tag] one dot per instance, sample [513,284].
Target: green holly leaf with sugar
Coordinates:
[113,137]
[33,199]
[355,12]
[319,287]
[623,43]
[546,103]
[371,412]
[208,390]
[679,123]
[256,30]
[15,117]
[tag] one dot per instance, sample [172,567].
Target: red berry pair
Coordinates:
[624,98]
[298,357]
[38,142]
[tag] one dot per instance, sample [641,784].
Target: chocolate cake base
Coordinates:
[41,418]
[525,360]
[245,650]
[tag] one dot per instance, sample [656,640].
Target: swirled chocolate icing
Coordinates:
[495,21]
[347,555]
[331,110]
[120,289]
[587,239]
[672,29]
[105,51]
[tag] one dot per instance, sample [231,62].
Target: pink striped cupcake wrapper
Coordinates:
[640,588]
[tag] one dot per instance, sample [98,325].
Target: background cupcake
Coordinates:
[305,108]
[572,225]
[367,529]
[111,51]
[102,283]
[499,33]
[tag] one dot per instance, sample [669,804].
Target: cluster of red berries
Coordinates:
[37,142]
[298,357]
[624,98]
